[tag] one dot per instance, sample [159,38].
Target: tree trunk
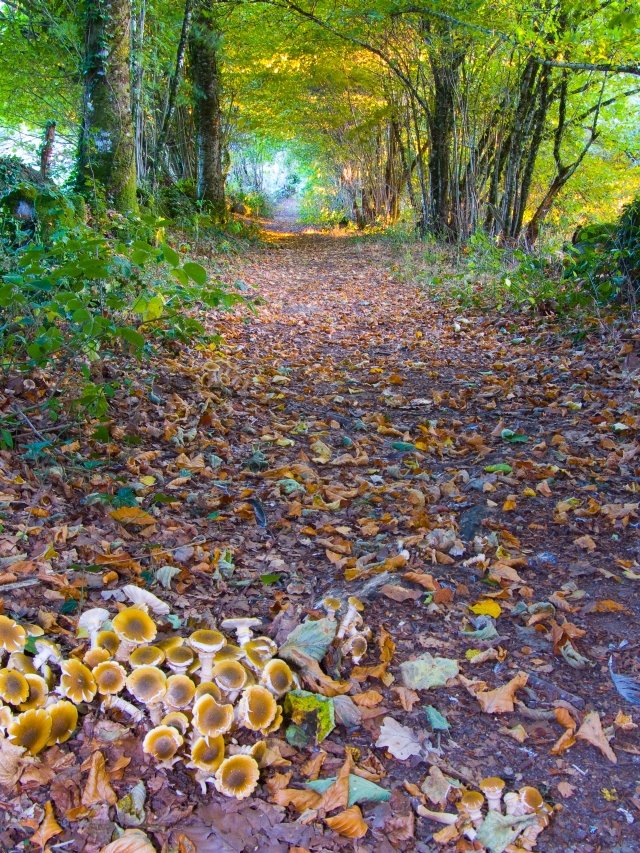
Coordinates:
[137,77]
[204,41]
[46,150]
[106,155]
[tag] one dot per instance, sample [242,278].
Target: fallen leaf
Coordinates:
[487,607]
[132,841]
[97,788]
[368,699]
[591,730]
[348,823]
[400,593]
[49,826]
[399,740]
[132,515]
[427,672]
[500,700]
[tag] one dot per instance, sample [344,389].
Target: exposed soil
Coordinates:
[411,403]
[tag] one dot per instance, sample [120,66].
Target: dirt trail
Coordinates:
[343,439]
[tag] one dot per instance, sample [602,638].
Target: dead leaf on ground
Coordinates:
[348,823]
[591,730]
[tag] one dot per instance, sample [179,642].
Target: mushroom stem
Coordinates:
[156,712]
[439,817]
[206,667]
[124,650]
[120,704]
[512,803]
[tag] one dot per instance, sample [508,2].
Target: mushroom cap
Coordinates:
[357,645]
[107,640]
[64,719]
[531,798]
[277,676]
[211,719]
[12,636]
[276,723]
[110,677]
[492,785]
[471,800]
[38,692]
[77,682]
[178,720]
[92,657]
[237,776]
[14,687]
[146,656]
[6,717]
[147,684]
[207,641]
[355,603]
[23,663]
[207,754]
[228,652]
[257,708]
[180,692]
[170,642]
[259,751]
[162,742]
[181,656]
[330,603]
[259,650]
[92,620]
[31,730]
[208,688]
[243,625]
[44,646]
[134,625]
[229,675]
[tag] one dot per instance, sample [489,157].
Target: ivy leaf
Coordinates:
[313,638]
[360,790]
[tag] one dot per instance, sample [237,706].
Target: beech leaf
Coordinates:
[399,740]
[427,671]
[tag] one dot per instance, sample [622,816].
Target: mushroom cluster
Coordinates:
[199,695]
[525,811]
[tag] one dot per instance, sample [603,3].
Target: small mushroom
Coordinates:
[229,652]
[148,685]
[31,730]
[356,646]
[230,676]
[471,804]
[14,687]
[277,677]
[180,692]
[163,742]
[208,688]
[331,606]
[64,719]
[6,717]
[38,692]
[206,642]
[237,776]
[352,620]
[170,643]
[276,722]
[211,719]
[77,682]
[117,703]
[146,600]
[176,719]
[133,627]
[530,800]
[12,636]
[492,788]
[243,627]
[92,657]
[179,659]
[110,677]
[207,754]
[23,663]
[259,651]
[47,650]
[256,708]
[107,640]
[90,623]
[146,656]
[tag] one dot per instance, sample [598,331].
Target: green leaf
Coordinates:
[69,606]
[436,720]
[270,578]
[498,831]
[165,574]
[311,637]
[360,790]
[131,336]
[311,713]
[404,446]
[181,276]
[170,255]
[499,468]
[196,272]
[514,437]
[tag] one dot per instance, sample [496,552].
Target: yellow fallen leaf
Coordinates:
[500,700]
[591,730]
[98,787]
[48,827]
[488,607]
[321,452]
[147,480]
[348,823]
[132,515]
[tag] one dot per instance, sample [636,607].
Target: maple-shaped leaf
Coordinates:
[399,740]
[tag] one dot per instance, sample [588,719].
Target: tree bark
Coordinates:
[106,155]
[46,150]
[204,65]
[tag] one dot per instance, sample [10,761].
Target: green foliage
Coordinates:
[83,296]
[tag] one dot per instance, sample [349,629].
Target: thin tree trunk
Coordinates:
[137,76]
[46,151]
[106,155]
[204,65]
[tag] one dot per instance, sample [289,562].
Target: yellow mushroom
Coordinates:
[14,687]
[148,685]
[180,692]
[133,627]
[277,677]
[211,719]
[38,692]
[257,708]
[146,656]
[12,636]
[92,657]
[77,682]
[31,730]
[237,776]
[163,742]
[492,787]
[179,659]
[176,719]
[110,677]
[64,719]
[206,642]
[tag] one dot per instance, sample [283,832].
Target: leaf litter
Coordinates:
[346,441]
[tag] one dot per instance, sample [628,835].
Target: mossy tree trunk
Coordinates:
[107,155]
[204,67]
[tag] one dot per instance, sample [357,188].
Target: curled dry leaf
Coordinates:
[13,760]
[368,699]
[500,700]
[49,826]
[591,730]
[301,800]
[98,787]
[349,823]
[337,795]
[567,738]
[133,841]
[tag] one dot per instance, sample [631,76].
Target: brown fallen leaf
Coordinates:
[337,795]
[13,761]
[132,515]
[368,699]
[49,826]
[591,730]
[98,788]
[567,738]
[423,579]
[407,698]
[565,789]
[348,823]
[312,767]
[132,841]
[301,800]
[400,593]
[500,700]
